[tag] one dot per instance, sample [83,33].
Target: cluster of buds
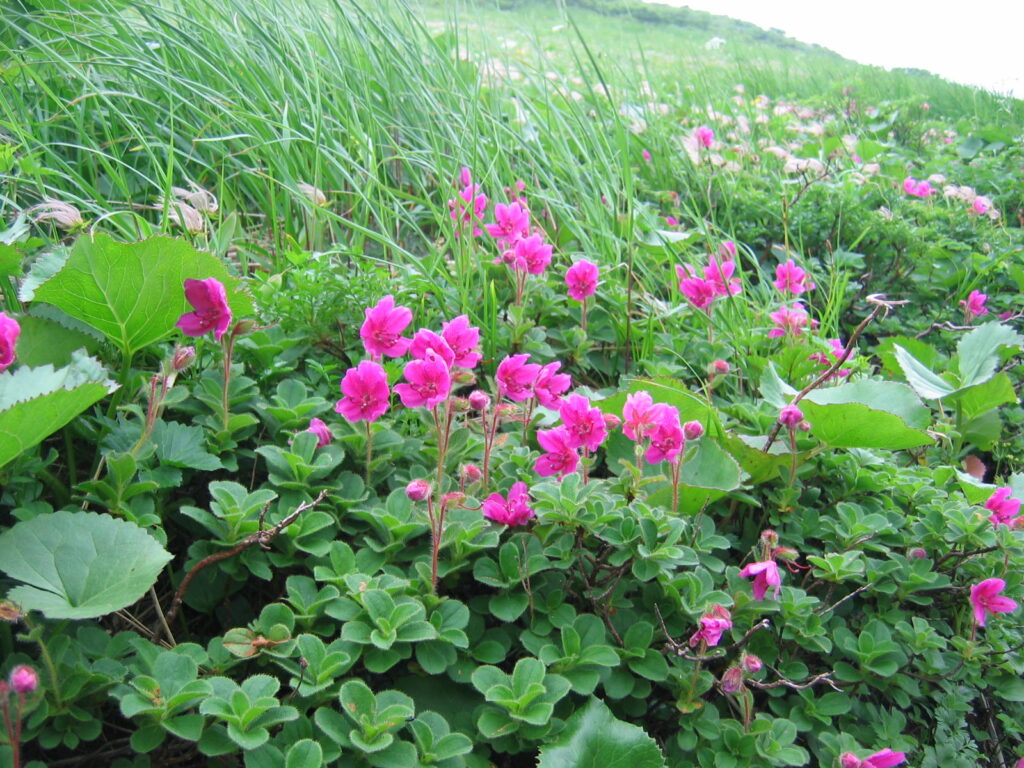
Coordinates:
[734,678]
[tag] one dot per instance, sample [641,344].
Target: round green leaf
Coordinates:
[79,565]
[594,738]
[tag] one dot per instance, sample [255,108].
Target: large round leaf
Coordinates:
[594,738]
[79,565]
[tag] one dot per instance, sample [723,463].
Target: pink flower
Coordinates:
[515,511]
[667,438]
[581,278]
[791,278]
[884,759]
[424,341]
[766,574]
[721,367]
[551,385]
[836,352]
[917,188]
[417,490]
[647,156]
[727,250]
[23,679]
[705,136]
[640,416]
[791,415]
[671,221]
[981,204]
[585,425]
[697,290]
[366,393]
[975,304]
[9,332]
[468,207]
[323,434]
[463,340]
[561,458]
[985,599]
[429,382]
[712,625]
[789,321]
[512,223]
[1003,508]
[721,277]
[516,378]
[211,308]
[532,255]
[381,332]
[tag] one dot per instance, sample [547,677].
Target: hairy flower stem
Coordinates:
[434,541]
[228,345]
[490,431]
[677,468]
[13,728]
[369,451]
[583,316]
[793,457]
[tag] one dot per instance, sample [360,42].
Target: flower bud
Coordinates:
[10,611]
[243,327]
[452,499]
[769,537]
[458,404]
[732,680]
[417,490]
[463,378]
[692,430]
[182,359]
[720,367]
[751,664]
[785,554]
[849,760]
[314,195]
[611,421]
[918,553]
[24,679]
[479,400]
[790,416]
[471,473]
[804,426]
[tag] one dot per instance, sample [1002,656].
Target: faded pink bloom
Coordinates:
[9,332]
[532,255]
[322,432]
[585,425]
[766,574]
[512,224]
[551,385]
[975,304]
[366,393]
[667,438]
[515,511]
[698,291]
[429,382]
[712,625]
[381,332]
[211,308]
[790,416]
[23,679]
[424,341]
[705,135]
[1004,509]
[516,378]
[791,278]
[789,321]
[640,416]
[581,278]
[417,490]
[985,599]
[561,457]
[463,340]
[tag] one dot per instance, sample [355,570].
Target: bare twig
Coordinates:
[881,305]
[948,326]
[824,677]
[261,537]
[842,600]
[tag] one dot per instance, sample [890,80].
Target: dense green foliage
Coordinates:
[202,580]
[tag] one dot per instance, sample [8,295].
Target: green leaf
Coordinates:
[305,753]
[79,565]
[508,606]
[978,351]
[134,293]
[927,384]
[982,398]
[867,414]
[594,738]
[36,402]
[180,445]
[44,341]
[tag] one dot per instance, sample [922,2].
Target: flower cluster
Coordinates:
[917,188]
[717,279]
[468,206]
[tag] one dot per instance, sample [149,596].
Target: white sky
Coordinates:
[978,43]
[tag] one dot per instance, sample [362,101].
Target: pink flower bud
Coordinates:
[849,760]
[918,553]
[693,430]
[732,680]
[452,499]
[720,367]
[417,490]
[182,359]
[471,473]
[790,416]
[804,426]
[769,537]
[751,663]
[462,378]
[611,421]
[24,679]
[479,400]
